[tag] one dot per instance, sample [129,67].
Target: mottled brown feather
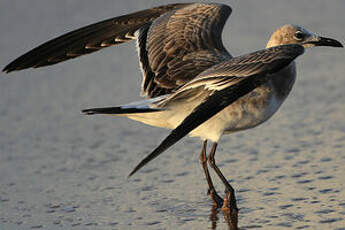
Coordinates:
[185,42]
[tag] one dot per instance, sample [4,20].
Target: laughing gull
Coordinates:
[191,83]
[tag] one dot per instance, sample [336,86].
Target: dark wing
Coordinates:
[89,39]
[245,73]
[180,45]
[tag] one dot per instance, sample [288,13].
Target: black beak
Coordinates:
[322,41]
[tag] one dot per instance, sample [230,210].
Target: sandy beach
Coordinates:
[60,169]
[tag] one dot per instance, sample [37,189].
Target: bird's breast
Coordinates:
[260,104]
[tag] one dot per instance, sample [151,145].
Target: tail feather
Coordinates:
[143,106]
[117,110]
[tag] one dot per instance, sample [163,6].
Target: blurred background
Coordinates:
[62,170]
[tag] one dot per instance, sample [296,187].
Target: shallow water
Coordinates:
[63,170]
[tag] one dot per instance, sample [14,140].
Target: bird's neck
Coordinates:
[284,79]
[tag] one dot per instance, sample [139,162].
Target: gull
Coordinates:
[192,84]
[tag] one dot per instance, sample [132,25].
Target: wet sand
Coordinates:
[62,170]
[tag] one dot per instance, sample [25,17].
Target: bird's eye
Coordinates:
[299,35]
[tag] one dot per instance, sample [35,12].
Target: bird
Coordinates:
[191,83]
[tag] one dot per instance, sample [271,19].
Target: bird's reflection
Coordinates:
[214,217]
[231,219]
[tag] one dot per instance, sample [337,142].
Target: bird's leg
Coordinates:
[217,200]
[229,199]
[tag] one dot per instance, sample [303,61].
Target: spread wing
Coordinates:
[175,42]
[89,39]
[225,83]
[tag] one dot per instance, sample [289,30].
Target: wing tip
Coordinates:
[143,162]
[8,69]
[133,172]
[15,66]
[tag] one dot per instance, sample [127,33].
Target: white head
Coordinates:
[295,34]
